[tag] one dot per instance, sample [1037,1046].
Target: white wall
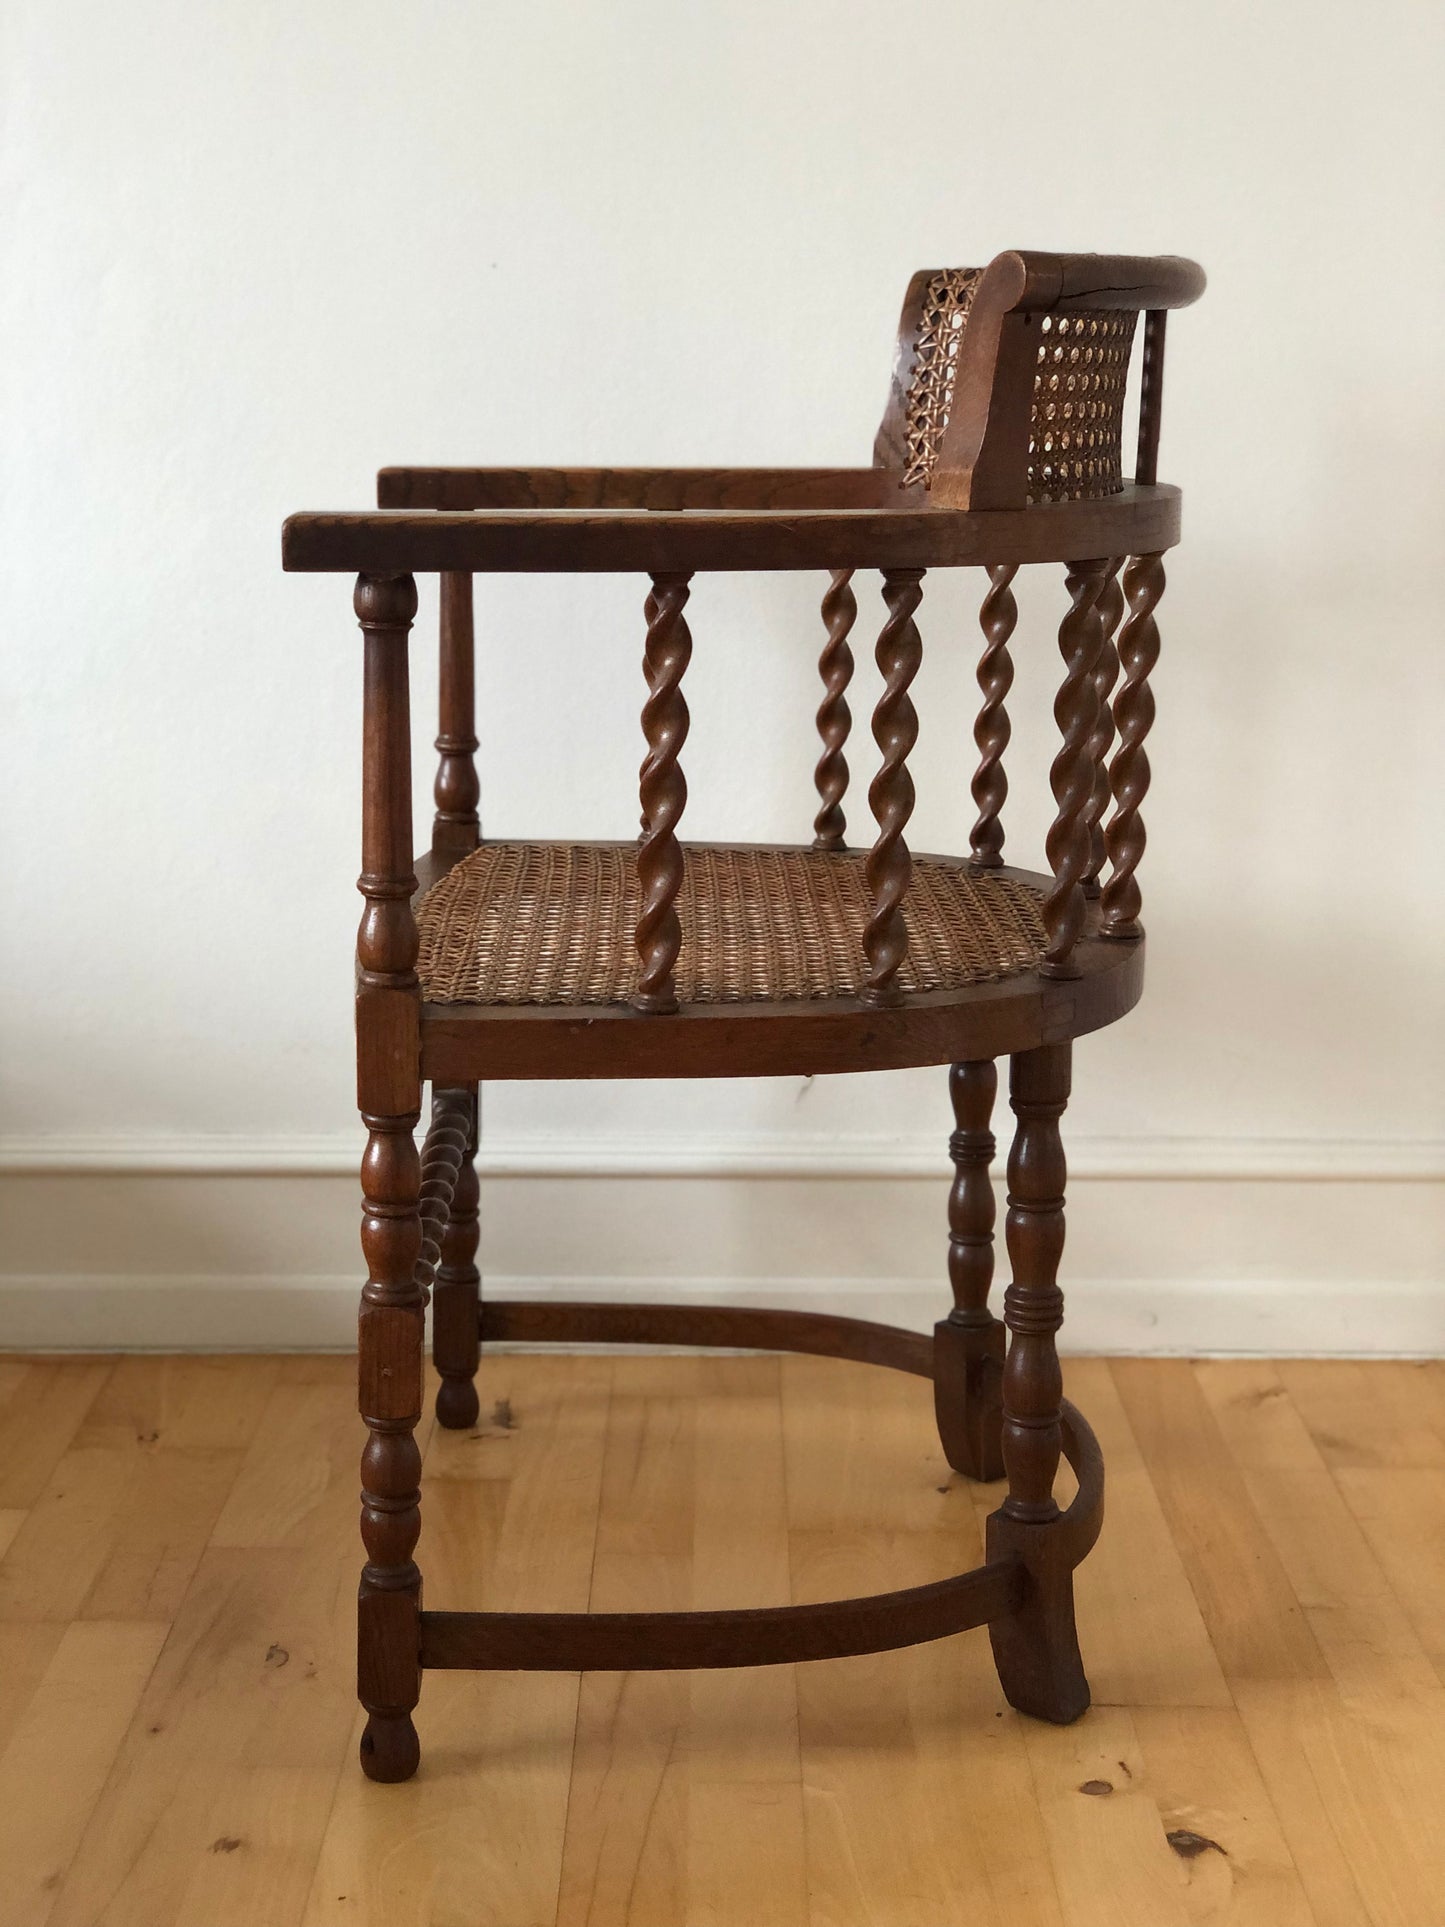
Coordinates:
[253,252]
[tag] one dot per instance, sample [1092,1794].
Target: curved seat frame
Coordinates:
[798,1037]
[999,448]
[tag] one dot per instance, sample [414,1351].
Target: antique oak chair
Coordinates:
[1000,446]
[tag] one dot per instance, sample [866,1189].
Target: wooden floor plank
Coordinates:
[1401,1511]
[1363,1632]
[918,1797]
[119,1528]
[740,1746]
[258,1674]
[59,1753]
[1142,1635]
[1271,1535]
[625,1852]
[10,1524]
[1217,1816]
[26,1649]
[1106,1844]
[1371,1414]
[307,1444]
[509,1514]
[1356,1785]
[1256,1624]
[38,1420]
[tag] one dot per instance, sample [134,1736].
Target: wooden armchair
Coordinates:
[1000,446]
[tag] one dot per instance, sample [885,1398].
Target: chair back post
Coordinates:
[456,827]
[1151,398]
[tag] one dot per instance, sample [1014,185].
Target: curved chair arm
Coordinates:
[385,542]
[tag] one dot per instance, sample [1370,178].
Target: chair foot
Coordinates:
[967,1401]
[458,1406]
[390,1749]
[1036,1648]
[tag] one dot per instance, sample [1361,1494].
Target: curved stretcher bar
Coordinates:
[760,1636]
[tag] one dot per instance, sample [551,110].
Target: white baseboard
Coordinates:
[758,1155]
[1325,1247]
[218,1313]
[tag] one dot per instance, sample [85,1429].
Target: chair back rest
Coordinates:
[1009,381]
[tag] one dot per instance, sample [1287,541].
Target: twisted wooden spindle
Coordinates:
[392,1300]
[664,794]
[968,1345]
[1076,711]
[890,795]
[835,665]
[998,618]
[649,616]
[1129,773]
[1106,674]
[1036,1648]
[456,828]
[456,1289]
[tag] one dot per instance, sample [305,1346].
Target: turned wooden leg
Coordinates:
[968,1345]
[390,1357]
[1036,1648]
[390,1335]
[456,1296]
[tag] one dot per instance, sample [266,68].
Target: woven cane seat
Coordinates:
[553,923]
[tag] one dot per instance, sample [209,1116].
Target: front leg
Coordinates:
[1036,1648]
[390,1339]
[393,1301]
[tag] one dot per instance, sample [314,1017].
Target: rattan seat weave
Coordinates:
[553,923]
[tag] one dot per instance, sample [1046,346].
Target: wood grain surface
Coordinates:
[177,1726]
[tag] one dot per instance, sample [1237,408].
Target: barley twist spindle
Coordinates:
[1129,773]
[456,1286]
[1106,674]
[664,795]
[392,1300]
[1072,774]
[443,1154]
[649,616]
[890,795]
[998,618]
[835,665]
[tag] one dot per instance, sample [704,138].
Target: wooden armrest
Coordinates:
[1136,521]
[638,488]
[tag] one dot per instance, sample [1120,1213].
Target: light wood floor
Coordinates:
[1262,1621]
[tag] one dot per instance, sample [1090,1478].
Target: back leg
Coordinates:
[968,1345]
[457,1296]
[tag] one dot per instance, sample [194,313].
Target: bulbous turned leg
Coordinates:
[389,1358]
[456,1297]
[1036,1648]
[390,1750]
[968,1345]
